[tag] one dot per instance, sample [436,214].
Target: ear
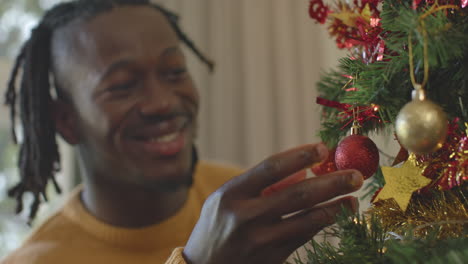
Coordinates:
[66,121]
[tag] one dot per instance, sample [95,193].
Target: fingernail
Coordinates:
[356,180]
[322,151]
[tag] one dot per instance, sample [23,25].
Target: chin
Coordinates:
[169,174]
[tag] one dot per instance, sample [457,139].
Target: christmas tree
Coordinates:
[407,74]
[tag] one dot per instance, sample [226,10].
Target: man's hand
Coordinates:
[238,225]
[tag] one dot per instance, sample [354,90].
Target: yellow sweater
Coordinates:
[72,235]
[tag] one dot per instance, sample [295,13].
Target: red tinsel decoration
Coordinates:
[318,11]
[344,35]
[363,113]
[415,4]
[370,40]
[355,27]
[448,167]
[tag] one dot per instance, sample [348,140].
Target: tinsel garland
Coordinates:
[442,212]
[366,240]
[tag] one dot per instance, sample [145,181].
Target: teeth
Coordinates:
[166,138]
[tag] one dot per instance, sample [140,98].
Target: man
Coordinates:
[126,102]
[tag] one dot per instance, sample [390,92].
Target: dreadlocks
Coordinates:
[39,158]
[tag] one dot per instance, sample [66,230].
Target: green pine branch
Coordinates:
[366,241]
[387,83]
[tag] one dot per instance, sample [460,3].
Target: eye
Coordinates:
[120,87]
[176,74]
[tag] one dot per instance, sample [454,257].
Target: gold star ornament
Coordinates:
[400,183]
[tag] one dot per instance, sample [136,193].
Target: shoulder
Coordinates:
[213,175]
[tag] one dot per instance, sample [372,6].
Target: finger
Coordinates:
[308,193]
[286,182]
[300,228]
[276,168]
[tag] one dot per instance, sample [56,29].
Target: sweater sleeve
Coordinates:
[176,257]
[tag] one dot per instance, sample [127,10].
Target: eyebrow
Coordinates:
[123,63]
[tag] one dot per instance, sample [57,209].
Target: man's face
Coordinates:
[134,102]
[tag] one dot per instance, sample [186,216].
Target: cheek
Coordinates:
[109,118]
[100,121]
[190,96]
[94,123]
[94,120]
[196,95]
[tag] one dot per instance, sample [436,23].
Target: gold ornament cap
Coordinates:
[418,93]
[356,129]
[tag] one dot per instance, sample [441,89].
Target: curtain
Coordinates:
[261,98]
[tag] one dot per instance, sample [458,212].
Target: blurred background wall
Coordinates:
[261,99]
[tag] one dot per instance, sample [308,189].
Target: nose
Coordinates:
[157,98]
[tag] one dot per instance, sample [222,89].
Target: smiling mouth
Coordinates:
[164,138]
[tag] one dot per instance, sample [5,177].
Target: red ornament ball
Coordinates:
[357,152]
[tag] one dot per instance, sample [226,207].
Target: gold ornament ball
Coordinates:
[421,126]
